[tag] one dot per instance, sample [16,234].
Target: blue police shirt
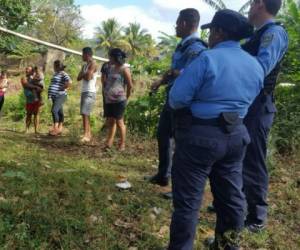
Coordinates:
[273,46]
[222,79]
[181,59]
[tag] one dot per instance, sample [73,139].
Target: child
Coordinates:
[37,80]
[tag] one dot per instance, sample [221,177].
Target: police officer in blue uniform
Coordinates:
[211,97]
[187,29]
[268,44]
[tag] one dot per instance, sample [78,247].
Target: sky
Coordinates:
[153,15]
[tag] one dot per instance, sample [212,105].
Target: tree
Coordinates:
[57,21]
[219,5]
[14,13]
[24,52]
[168,43]
[291,19]
[109,35]
[216,4]
[140,42]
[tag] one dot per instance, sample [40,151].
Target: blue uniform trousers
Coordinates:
[255,173]
[164,135]
[201,153]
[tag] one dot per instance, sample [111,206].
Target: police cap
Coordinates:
[231,21]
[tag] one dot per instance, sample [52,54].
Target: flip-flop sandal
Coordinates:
[121,149]
[85,139]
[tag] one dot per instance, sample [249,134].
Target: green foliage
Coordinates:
[216,4]
[291,63]
[286,130]
[73,64]
[220,4]
[142,65]
[14,13]
[58,22]
[167,43]
[132,39]
[142,114]
[14,106]
[24,52]
[109,35]
[158,66]
[140,42]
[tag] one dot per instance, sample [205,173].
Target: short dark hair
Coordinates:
[59,65]
[273,6]
[191,16]
[118,55]
[87,50]
[228,35]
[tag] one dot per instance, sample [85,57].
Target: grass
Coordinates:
[58,194]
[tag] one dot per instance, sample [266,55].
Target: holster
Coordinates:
[229,121]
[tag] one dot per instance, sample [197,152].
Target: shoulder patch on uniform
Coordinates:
[266,40]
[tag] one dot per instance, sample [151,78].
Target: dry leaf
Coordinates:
[120,223]
[47,166]
[2,199]
[163,231]
[132,237]
[152,216]
[157,210]
[93,219]
[89,182]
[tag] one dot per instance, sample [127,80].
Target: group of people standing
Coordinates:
[219,109]
[116,85]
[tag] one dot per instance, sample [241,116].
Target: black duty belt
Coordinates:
[216,122]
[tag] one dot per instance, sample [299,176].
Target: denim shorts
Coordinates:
[87,102]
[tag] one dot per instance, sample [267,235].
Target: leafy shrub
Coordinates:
[142,65]
[73,64]
[158,66]
[14,107]
[286,130]
[142,114]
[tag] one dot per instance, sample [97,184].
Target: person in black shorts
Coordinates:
[117,90]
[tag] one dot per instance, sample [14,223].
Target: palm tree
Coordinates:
[216,4]
[168,43]
[245,8]
[219,5]
[139,41]
[109,35]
